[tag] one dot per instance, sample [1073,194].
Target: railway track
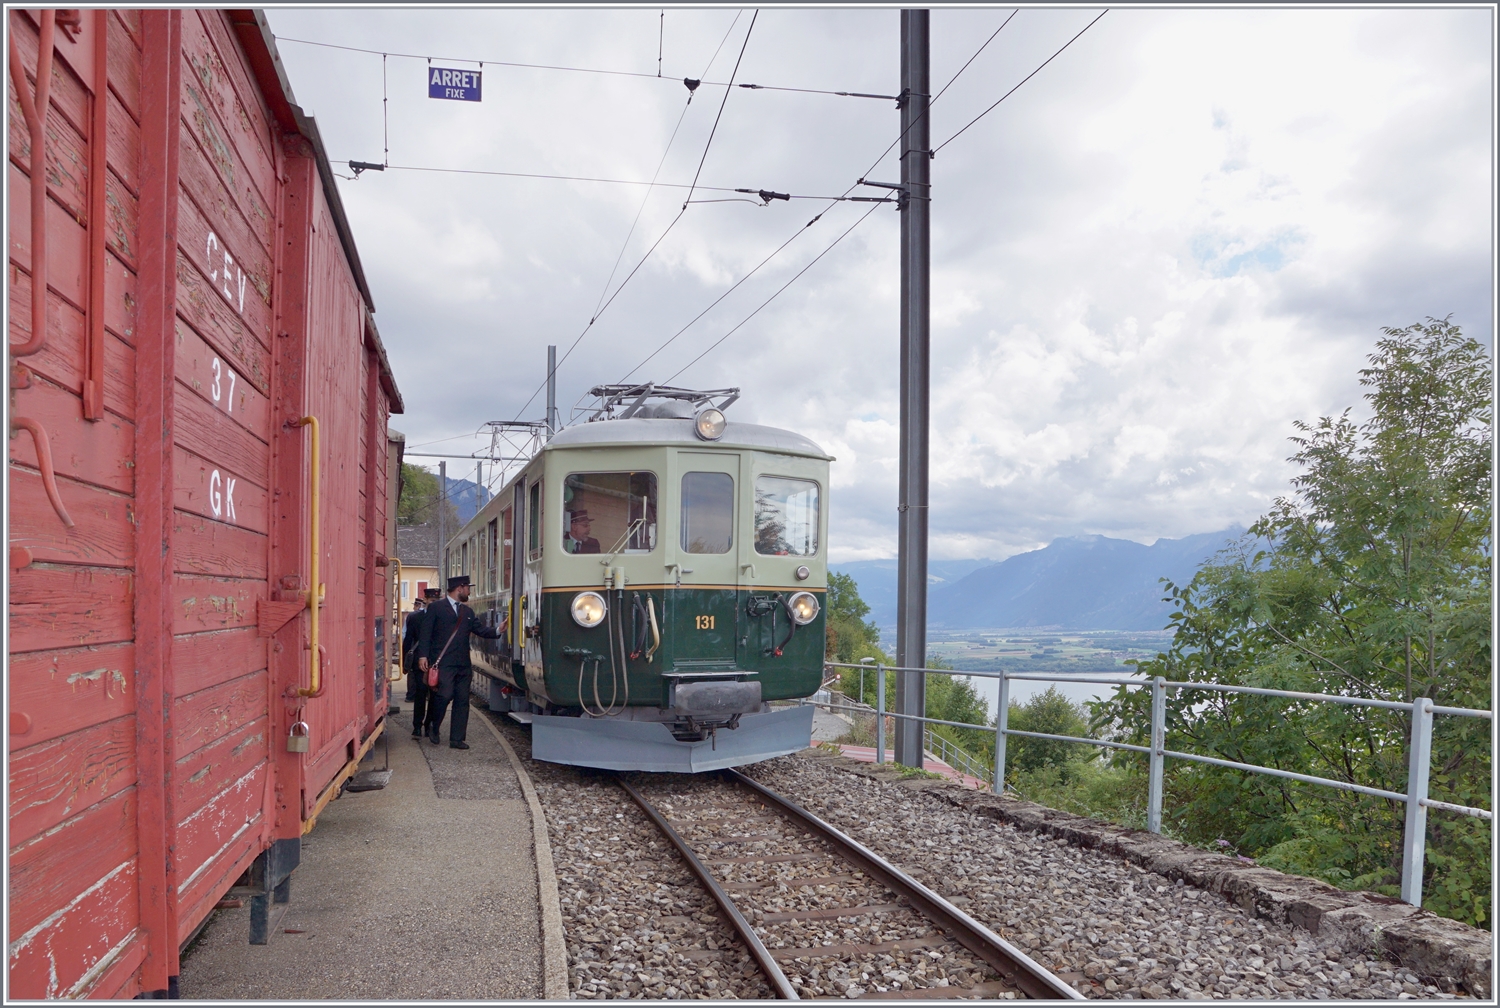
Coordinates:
[821,914]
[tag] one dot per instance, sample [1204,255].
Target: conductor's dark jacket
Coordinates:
[410,636]
[436,629]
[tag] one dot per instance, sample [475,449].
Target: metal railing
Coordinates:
[1422,710]
[955,756]
[935,745]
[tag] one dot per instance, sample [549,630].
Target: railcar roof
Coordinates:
[671,431]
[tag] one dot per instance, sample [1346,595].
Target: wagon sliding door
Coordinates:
[339,385]
[221,465]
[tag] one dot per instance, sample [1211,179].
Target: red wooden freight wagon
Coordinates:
[201,489]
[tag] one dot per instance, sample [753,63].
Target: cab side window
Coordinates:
[707,512]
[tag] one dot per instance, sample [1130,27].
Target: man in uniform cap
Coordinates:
[445,644]
[578,539]
[417,693]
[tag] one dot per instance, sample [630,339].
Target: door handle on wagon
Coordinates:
[316,592]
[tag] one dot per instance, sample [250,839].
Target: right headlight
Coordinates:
[589,609]
[804,607]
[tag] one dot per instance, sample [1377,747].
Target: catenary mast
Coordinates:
[911,567]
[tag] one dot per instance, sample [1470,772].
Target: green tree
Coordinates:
[1371,579]
[420,498]
[954,698]
[1050,713]
[850,636]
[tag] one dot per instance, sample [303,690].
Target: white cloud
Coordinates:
[1178,237]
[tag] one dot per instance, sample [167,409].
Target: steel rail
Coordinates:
[762,955]
[1011,963]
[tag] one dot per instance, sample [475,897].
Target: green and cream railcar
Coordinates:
[662,580]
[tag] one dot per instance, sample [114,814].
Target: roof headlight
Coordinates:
[804,607]
[589,609]
[709,424]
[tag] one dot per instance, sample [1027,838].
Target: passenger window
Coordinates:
[507,530]
[707,512]
[534,521]
[491,536]
[786,516]
[609,512]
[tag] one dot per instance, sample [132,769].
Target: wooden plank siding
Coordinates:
[147,713]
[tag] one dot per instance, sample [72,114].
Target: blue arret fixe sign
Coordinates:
[455,85]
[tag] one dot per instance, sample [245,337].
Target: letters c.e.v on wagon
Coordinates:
[455,85]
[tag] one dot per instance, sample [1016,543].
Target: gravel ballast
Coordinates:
[639,926]
[793,897]
[1130,932]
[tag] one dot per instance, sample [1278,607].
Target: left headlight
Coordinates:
[709,424]
[804,607]
[589,609]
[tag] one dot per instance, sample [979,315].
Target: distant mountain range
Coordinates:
[1078,582]
[467,497]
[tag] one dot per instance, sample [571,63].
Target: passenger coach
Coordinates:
[661,575]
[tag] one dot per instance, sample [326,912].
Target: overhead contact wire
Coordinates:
[945,87]
[722,296]
[861,220]
[831,200]
[724,101]
[779,290]
[557,178]
[605,307]
[1013,90]
[642,208]
[592,70]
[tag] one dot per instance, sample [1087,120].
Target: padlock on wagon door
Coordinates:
[298,741]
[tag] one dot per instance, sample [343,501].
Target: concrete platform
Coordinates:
[427,889]
[829,726]
[866,754]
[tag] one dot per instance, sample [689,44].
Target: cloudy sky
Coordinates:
[1183,233]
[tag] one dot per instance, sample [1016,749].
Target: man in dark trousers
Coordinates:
[417,692]
[411,631]
[445,644]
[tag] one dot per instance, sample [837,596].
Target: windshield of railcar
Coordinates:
[609,512]
[707,512]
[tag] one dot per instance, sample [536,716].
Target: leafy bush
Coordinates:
[1050,713]
[1376,584]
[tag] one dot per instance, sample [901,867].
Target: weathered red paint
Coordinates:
[93,382]
[156,644]
[161,36]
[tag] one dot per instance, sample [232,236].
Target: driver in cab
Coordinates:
[578,539]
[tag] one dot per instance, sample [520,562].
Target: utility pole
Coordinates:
[552,424]
[443,522]
[911,564]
